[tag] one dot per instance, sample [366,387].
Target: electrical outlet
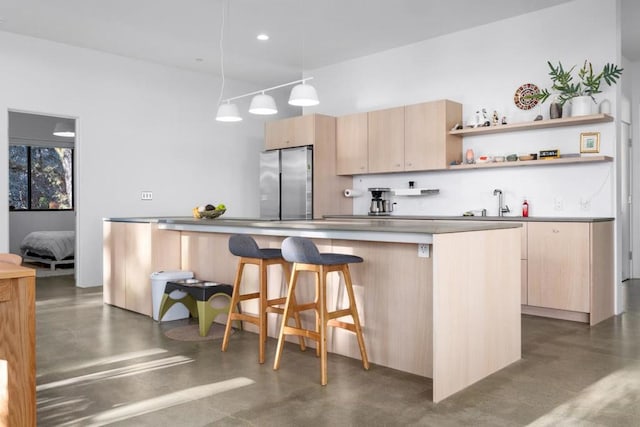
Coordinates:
[585,204]
[558,203]
[423,250]
[147,195]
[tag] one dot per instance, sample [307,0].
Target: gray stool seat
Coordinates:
[302,250]
[244,246]
[307,259]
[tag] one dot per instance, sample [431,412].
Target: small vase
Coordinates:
[581,106]
[605,106]
[555,110]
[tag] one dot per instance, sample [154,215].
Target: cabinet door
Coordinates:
[291,132]
[138,268]
[427,143]
[113,256]
[351,144]
[559,266]
[386,140]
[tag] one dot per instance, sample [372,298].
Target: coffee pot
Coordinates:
[379,204]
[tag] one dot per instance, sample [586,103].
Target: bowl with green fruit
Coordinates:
[209,211]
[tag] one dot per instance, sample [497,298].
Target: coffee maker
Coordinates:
[380,205]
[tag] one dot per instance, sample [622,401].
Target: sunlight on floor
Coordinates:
[620,389]
[135,369]
[165,401]
[105,360]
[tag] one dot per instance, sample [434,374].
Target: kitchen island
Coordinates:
[437,299]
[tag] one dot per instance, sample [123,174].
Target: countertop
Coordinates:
[363,228]
[472,218]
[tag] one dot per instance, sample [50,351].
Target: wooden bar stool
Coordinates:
[247,249]
[306,257]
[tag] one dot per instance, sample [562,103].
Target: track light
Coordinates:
[302,95]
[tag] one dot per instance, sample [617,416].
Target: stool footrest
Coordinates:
[343,325]
[290,330]
[245,318]
[340,313]
[245,297]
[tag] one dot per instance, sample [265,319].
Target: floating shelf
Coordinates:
[414,191]
[547,162]
[540,124]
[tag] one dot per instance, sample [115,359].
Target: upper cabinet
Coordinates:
[352,152]
[291,132]
[386,140]
[411,138]
[427,142]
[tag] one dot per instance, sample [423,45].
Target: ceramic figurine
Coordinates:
[495,118]
[469,157]
[485,118]
[504,120]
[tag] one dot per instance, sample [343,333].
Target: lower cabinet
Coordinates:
[570,269]
[131,252]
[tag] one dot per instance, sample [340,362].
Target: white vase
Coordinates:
[581,106]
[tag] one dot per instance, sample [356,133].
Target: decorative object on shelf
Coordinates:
[549,154]
[512,157]
[526,96]
[605,106]
[587,86]
[485,119]
[590,142]
[525,157]
[469,157]
[496,119]
[555,109]
[538,118]
[525,208]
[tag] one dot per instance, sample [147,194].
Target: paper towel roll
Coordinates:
[350,192]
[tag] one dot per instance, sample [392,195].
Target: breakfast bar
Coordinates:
[440,299]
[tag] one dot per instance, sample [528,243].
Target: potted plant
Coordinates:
[580,92]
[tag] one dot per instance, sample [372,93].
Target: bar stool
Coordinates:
[306,257]
[247,249]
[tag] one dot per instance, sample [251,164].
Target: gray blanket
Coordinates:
[56,244]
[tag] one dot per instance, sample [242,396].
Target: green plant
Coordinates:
[588,84]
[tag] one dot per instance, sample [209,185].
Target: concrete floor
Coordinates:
[100,365]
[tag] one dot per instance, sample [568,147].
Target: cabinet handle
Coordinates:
[409,164]
[555,230]
[397,165]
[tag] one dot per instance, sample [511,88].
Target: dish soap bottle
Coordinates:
[525,208]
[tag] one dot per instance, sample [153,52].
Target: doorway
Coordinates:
[42,219]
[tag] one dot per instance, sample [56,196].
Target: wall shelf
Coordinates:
[414,191]
[548,162]
[540,124]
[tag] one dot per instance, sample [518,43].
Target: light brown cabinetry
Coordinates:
[17,346]
[131,252]
[291,132]
[410,138]
[570,269]
[352,144]
[386,140]
[318,131]
[427,142]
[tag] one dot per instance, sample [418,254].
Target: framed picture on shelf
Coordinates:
[590,142]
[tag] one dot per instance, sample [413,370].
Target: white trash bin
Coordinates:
[159,280]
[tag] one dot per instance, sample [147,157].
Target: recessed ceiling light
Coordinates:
[199,59]
[263,37]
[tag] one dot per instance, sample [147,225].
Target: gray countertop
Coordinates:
[366,229]
[471,218]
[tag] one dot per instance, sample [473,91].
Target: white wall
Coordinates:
[140,126]
[635,132]
[483,67]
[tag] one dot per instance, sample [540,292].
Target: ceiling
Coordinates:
[304,34]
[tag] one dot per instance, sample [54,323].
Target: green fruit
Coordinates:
[221,207]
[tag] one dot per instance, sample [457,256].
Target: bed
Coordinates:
[49,247]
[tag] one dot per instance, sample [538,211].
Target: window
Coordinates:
[40,178]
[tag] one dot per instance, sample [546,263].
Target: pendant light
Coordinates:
[64,129]
[228,112]
[303,95]
[262,104]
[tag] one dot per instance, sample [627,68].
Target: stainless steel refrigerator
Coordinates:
[286,183]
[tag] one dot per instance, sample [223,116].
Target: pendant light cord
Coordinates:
[224,13]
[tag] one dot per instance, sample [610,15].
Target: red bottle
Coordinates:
[525,208]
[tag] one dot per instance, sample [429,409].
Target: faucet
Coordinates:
[501,210]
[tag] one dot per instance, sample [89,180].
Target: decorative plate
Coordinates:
[520,99]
